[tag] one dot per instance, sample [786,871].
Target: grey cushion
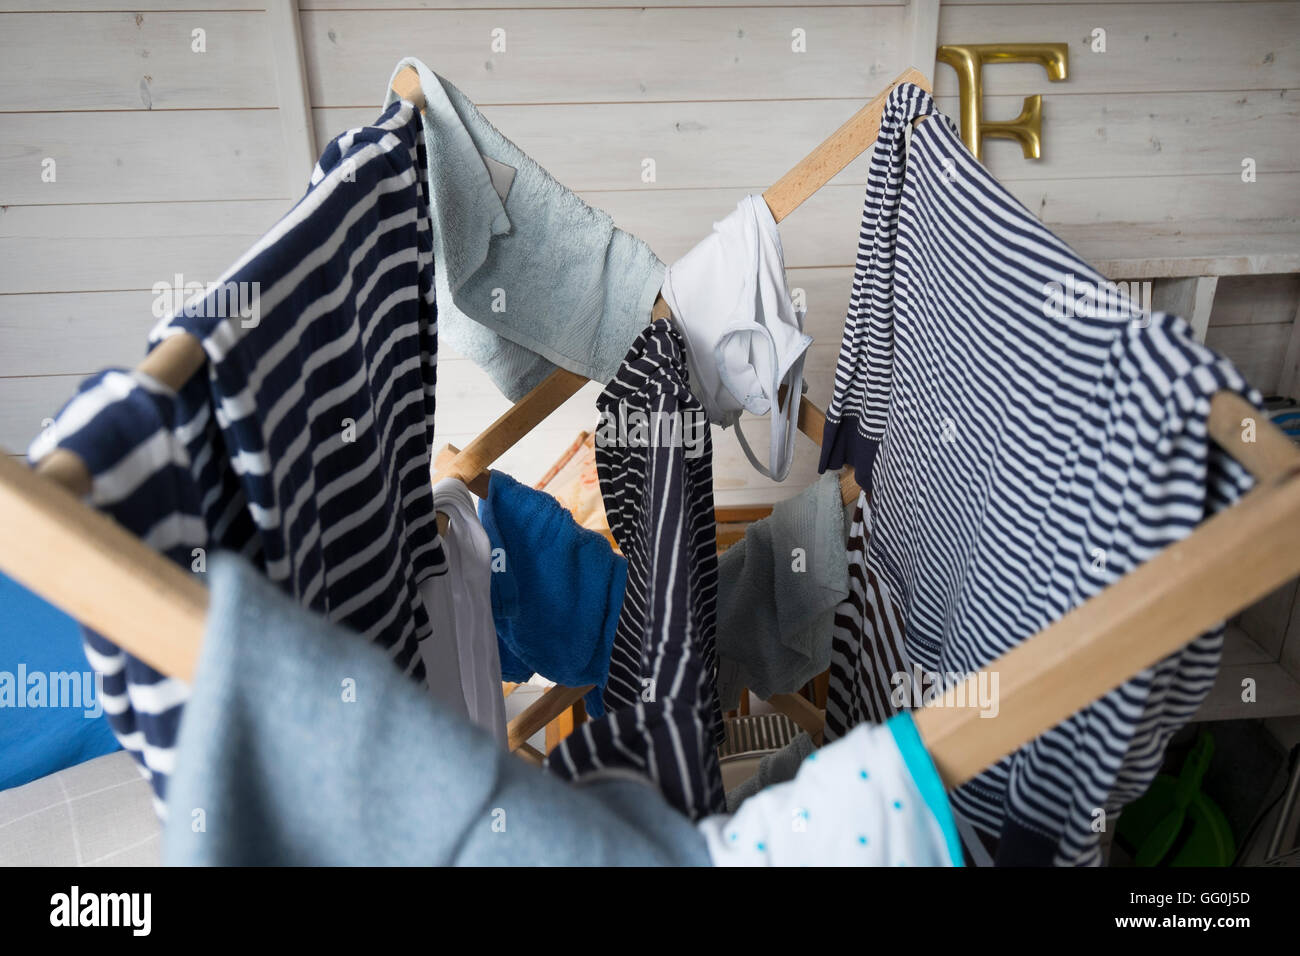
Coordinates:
[99,813]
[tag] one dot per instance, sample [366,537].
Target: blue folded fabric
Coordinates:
[51,708]
[557,589]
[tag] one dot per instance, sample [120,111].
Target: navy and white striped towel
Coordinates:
[305,444]
[1027,437]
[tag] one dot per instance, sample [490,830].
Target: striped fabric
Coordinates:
[305,445]
[1027,437]
[662,717]
[867,647]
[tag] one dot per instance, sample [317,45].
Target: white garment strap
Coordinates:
[784,418]
[725,294]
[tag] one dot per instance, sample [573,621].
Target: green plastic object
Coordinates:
[1174,823]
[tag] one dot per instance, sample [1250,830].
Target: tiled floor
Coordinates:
[99,813]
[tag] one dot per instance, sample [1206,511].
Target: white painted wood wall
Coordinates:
[170,161]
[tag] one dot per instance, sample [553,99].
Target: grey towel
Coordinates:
[777,767]
[777,594]
[531,277]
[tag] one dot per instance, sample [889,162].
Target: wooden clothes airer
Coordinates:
[83,562]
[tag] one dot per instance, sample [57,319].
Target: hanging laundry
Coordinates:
[460,655]
[304,443]
[655,461]
[777,593]
[744,340]
[556,590]
[873,798]
[867,648]
[779,766]
[1022,452]
[528,275]
[358,767]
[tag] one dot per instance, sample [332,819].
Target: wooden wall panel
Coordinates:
[131,61]
[608,55]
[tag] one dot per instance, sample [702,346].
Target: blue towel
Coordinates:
[557,590]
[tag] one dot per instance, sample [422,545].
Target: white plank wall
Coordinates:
[167,161]
[172,162]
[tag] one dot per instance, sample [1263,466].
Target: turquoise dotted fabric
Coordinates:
[872,798]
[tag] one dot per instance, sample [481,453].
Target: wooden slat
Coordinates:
[1110,142]
[94,330]
[291,95]
[1256,300]
[1258,351]
[1147,135]
[126,246]
[1166,47]
[1102,219]
[134,61]
[541,712]
[639,54]
[86,565]
[1247,435]
[802,711]
[563,725]
[602,145]
[835,153]
[552,4]
[93,6]
[144,156]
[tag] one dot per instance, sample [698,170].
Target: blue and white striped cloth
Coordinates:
[1026,437]
[305,443]
[654,458]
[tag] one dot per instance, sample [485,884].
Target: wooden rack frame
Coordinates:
[80,560]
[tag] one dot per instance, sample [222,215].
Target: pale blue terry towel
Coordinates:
[776,607]
[303,745]
[527,274]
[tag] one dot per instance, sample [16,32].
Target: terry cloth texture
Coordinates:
[662,717]
[528,275]
[304,443]
[777,767]
[557,590]
[1035,437]
[312,750]
[777,593]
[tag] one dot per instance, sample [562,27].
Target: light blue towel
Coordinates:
[557,590]
[527,273]
[303,745]
[777,594]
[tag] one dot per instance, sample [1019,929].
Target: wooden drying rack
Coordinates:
[80,560]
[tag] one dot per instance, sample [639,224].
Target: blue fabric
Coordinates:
[36,638]
[557,599]
[926,777]
[313,750]
[656,482]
